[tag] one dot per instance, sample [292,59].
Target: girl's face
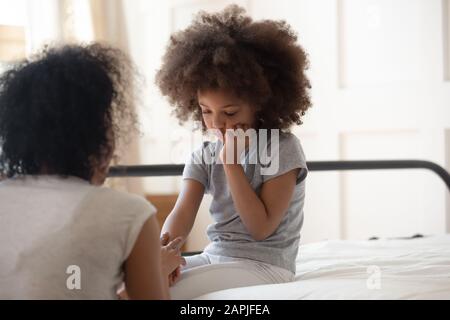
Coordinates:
[221,110]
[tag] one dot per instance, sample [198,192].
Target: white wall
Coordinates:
[380,76]
[380,71]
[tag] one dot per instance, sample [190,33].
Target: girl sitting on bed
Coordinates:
[238,76]
[62,235]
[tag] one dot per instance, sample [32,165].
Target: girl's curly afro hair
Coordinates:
[259,61]
[62,110]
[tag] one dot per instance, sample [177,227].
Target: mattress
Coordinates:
[374,269]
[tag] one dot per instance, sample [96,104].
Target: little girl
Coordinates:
[235,74]
[62,235]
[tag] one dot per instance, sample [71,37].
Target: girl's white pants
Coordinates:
[205,273]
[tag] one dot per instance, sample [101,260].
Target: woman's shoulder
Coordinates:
[120,199]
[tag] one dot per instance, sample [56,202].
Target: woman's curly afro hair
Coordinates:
[258,61]
[62,110]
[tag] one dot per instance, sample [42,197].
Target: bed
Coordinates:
[417,268]
[407,268]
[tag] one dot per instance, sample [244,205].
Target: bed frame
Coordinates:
[160,170]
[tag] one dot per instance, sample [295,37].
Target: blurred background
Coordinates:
[380,72]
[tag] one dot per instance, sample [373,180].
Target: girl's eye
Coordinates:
[230,113]
[205,112]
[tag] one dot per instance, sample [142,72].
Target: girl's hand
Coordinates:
[234,143]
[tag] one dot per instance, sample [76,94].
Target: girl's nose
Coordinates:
[218,122]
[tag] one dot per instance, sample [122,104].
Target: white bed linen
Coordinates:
[378,269]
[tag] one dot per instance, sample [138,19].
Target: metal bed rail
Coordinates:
[177,170]
[160,170]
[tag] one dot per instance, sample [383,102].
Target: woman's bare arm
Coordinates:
[144,278]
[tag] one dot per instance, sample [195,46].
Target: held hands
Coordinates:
[171,258]
[234,143]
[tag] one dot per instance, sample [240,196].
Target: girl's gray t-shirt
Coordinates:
[228,235]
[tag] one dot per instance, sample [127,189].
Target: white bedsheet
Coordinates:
[377,269]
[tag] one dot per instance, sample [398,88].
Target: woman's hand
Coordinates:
[122,293]
[171,258]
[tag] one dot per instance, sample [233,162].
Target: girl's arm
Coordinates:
[180,221]
[144,278]
[261,215]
